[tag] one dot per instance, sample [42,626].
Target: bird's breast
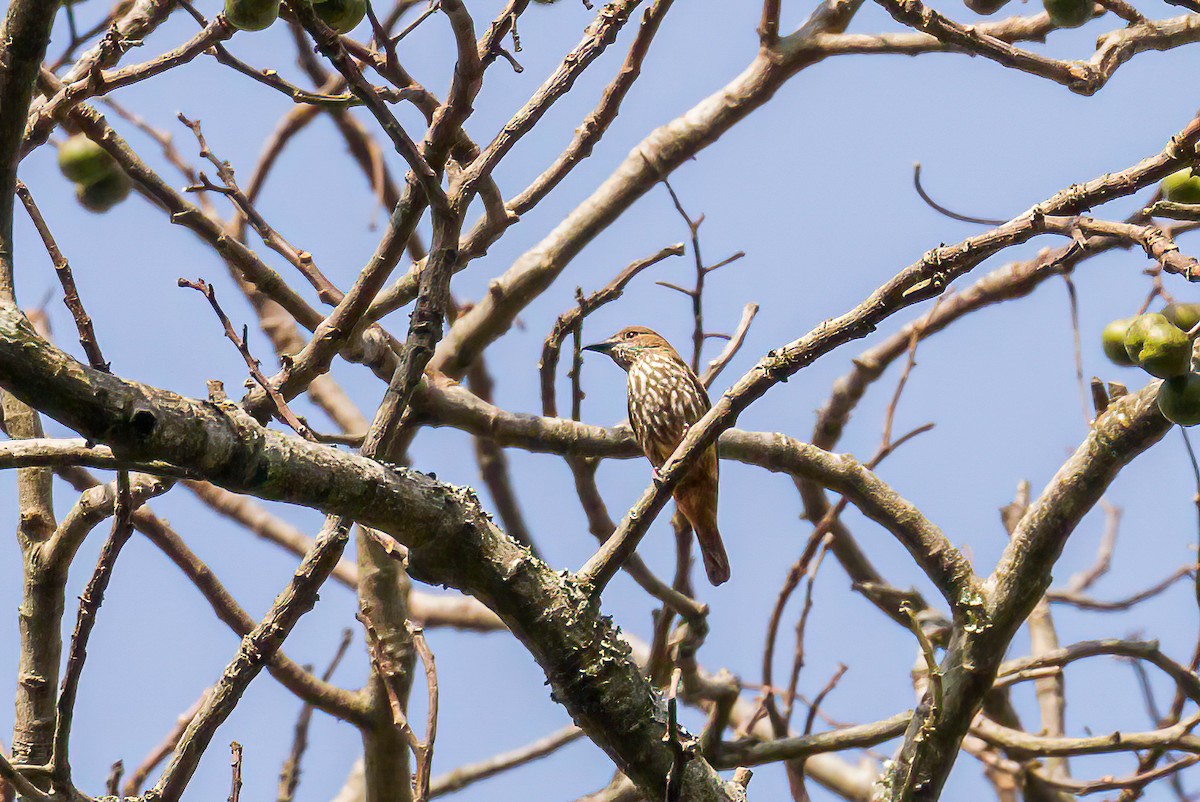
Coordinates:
[663,401]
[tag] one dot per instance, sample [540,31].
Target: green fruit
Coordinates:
[985,6]
[1181,187]
[251,15]
[1183,316]
[1135,335]
[1068,13]
[1158,347]
[1113,340]
[83,161]
[341,15]
[1179,399]
[102,195]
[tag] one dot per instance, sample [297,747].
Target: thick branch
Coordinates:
[449,537]
[1129,426]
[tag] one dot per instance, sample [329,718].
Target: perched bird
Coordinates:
[665,398]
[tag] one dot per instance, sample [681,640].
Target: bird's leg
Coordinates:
[657,477]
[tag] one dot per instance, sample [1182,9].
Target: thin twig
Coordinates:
[282,411]
[112,784]
[1085,602]
[1083,580]
[940,209]
[681,752]
[289,775]
[257,649]
[801,628]
[696,293]
[89,606]
[813,708]
[1073,305]
[424,750]
[22,784]
[931,666]
[235,782]
[466,775]
[83,323]
[768,27]
[300,259]
[731,348]
[133,785]
[412,26]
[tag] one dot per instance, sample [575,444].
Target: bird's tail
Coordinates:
[697,500]
[716,561]
[696,497]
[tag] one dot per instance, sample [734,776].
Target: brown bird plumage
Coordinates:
[665,398]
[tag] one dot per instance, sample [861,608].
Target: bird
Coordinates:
[665,398]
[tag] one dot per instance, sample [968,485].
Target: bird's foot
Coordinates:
[657,477]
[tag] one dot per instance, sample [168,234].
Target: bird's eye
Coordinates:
[629,335]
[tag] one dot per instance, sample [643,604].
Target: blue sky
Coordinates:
[816,189]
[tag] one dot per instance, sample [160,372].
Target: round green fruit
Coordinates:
[83,161]
[341,15]
[1113,340]
[1181,187]
[1158,347]
[251,15]
[1179,399]
[102,195]
[985,6]
[1068,13]
[1183,316]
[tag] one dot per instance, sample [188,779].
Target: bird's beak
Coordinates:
[600,348]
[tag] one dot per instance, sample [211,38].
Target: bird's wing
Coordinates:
[705,406]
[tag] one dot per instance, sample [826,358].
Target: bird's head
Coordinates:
[631,343]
